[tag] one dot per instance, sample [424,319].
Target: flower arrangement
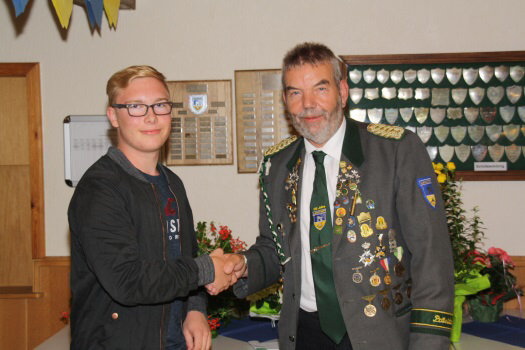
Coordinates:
[482,278]
[224,306]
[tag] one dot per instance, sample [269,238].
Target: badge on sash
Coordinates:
[425,184]
[198,103]
[319,217]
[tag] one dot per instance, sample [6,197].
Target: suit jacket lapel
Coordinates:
[296,164]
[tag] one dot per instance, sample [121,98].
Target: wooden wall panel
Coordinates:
[519,272]
[13,324]
[16,264]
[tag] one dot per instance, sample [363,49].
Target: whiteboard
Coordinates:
[86,139]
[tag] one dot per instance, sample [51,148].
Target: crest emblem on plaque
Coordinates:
[319,217]
[511,131]
[494,132]
[470,75]
[458,133]
[427,190]
[198,103]
[488,114]
[496,152]
[369,75]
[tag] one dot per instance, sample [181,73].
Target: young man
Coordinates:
[367,261]
[135,276]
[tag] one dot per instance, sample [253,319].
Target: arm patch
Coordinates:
[431,322]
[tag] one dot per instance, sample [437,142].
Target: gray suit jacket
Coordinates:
[395,183]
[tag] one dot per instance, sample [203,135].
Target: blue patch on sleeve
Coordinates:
[427,190]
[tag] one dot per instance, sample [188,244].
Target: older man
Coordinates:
[352,220]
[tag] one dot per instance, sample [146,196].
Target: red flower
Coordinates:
[225,233]
[501,255]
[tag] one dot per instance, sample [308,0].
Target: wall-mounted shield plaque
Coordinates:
[446,153]
[486,73]
[405,93]
[502,72]
[495,94]
[410,76]
[423,75]
[488,114]
[375,115]
[454,113]
[396,76]
[507,113]
[476,94]
[513,152]
[432,152]
[421,114]
[516,73]
[459,95]
[462,152]
[369,75]
[511,131]
[358,114]
[356,94]
[383,75]
[453,75]
[441,132]
[422,93]
[355,75]
[406,113]
[372,93]
[496,152]
[521,113]
[388,92]
[471,114]
[424,133]
[479,152]
[411,128]
[458,133]
[494,132]
[391,115]
[470,75]
[437,114]
[440,97]
[513,93]
[475,132]
[437,75]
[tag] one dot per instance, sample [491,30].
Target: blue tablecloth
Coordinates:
[250,328]
[507,329]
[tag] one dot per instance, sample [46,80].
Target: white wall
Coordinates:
[209,39]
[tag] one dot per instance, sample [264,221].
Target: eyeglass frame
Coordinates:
[126,106]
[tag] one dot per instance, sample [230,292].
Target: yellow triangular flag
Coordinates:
[63,9]
[111,7]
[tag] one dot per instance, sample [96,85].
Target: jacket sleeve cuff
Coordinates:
[206,270]
[198,302]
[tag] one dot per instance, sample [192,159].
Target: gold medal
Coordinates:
[375,280]
[370,310]
[388,280]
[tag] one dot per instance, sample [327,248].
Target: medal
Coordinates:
[385,265]
[337,204]
[381,223]
[366,258]
[375,280]
[345,200]
[398,297]
[357,277]
[380,251]
[342,164]
[370,204]
[399,269]
[351,222]
[339,221]
[370,310]
[340,212]
[366,231]
[385,302]
[351,236]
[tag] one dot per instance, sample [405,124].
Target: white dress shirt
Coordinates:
[332,148]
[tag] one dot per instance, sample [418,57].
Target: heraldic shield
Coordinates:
[319,217]
[198,103]
[425,184]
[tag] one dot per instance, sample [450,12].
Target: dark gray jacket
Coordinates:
[121,281]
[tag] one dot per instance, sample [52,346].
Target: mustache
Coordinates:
[312,112]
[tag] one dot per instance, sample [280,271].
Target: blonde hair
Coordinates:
[121,79]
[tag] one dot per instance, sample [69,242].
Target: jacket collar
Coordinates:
[118,157]
[352,149]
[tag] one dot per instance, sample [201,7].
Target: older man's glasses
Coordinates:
[141,109]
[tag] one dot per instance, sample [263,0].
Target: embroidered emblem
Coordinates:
[386,131]
[280,146]
[425,184]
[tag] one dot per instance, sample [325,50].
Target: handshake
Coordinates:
[228,269]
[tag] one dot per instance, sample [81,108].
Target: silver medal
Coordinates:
[459,95]
[446,153]
[511,131]
[388,93]
[513,152]
[356,94]
[396,76]
[458,133]
[453,75]
[369,75]
[507,113]
[372,93]
[437,75]
[375,115]
[355,75]
[441,132]
[495,94]
[479,152]
[432,152]
[486,73]
[383,75]
[476,94]
[405,93]
[422,93]
[462,152]
[496,152]
[423,75]
[424,133]
[421,114]
[406,114]
[358,114]
[437,115]
[513,93]
[470,75]
[475,132]
[502,72]
[494,132]
[471,114]
[440,97]
[391,115]
[454,113]
[488,114]
[410,76]
[516,73]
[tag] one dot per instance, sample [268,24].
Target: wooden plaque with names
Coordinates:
[201,127]
[260,115]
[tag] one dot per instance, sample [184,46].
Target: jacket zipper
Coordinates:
[163,255]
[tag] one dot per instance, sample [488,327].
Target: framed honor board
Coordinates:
[260,116]
[201,127]
[467,108]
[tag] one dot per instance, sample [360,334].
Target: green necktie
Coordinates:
[330,317]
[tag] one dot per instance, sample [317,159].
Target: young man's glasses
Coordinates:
[141,109]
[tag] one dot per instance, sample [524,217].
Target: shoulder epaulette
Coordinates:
[386,131]
[270,151]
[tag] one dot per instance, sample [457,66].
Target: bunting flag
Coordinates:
[94,8]
[63,9]
[20,6]
[111,7]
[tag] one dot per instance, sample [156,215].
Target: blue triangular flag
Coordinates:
[95,8]
[20,6]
